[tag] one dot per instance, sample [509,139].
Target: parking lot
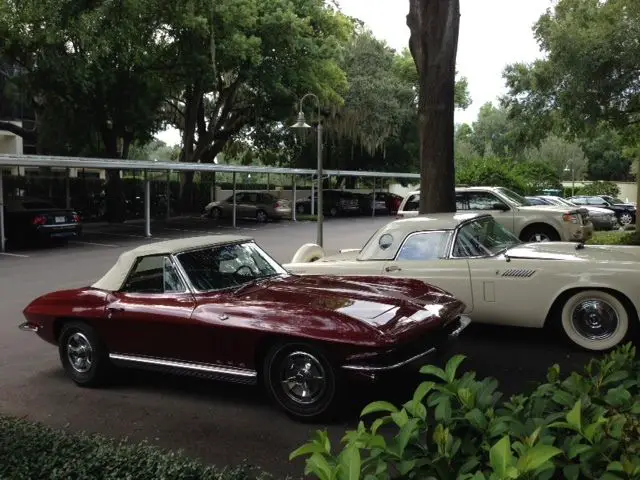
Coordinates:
[218,422]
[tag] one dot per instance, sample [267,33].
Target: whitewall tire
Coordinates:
[594,320]
[309,252]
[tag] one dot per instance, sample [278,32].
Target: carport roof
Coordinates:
[115,277]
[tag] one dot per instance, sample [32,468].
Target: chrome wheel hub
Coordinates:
[625,219]
[303,378]
[79,352]
[595,319]
[539,237]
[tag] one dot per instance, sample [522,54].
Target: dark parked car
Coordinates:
[219,306]
[32,220]
[625,213]
[334,202]
[385,202]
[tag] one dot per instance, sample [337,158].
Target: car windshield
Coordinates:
[514,197]
[483,238]
[221,267]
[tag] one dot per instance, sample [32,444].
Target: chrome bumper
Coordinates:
[27,327]
[463,322]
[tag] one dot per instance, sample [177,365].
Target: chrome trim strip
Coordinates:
[242,375]
[27,327]
[367,368]
[464,321]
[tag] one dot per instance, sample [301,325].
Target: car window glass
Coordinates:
[226,266]
[482,201]
[461,202]
[37,205]
[481,238]
[596,201]
[251,198]
[151,275]
[413,203]
[424,246]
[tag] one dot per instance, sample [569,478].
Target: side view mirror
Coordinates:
[500,206]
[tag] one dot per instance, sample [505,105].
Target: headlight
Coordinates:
[570,218]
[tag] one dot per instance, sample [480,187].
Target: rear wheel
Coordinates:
[83,355]
[300,379]
[215,213]
[595,320]
[261,216]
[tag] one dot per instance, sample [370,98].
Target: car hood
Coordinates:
[551,208]
[598,210]
[568,251]
[376,301]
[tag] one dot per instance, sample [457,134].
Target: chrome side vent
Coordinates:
[518,273]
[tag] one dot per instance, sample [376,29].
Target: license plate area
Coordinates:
[60,219]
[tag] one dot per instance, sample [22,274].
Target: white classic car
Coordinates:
[590,292]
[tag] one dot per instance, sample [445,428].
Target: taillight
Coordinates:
[570,218]
[39,220]
[75,218]
[277,205]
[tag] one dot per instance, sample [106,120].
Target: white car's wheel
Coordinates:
[595,320]
[309,252]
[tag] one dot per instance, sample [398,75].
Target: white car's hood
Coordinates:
[550,208]
[568,251]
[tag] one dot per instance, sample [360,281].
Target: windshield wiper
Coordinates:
[255,281]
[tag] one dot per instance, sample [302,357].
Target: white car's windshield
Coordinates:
[514,197]
[483,238]
[221,267]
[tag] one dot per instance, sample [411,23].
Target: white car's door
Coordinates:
[422,256]
[511,293]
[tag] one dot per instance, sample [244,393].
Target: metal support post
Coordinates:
[234,200]
[67,189]
[167,194]
[320,206]
[2,237]
[147,204]
[373,204]
[313,203]
[293,201]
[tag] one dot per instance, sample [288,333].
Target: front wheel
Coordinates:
[539,233]
[594,320]
[299,378]
[83,355]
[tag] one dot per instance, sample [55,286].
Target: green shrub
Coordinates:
[600,188]
[30,451]
[582,426]
[615,238]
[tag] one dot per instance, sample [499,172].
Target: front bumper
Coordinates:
[579,233]
[29,327]
[414,360]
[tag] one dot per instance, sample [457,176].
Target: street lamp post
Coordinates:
[573,177]
[302,124]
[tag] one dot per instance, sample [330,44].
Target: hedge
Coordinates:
[31,451]
[615,238]
[456,427]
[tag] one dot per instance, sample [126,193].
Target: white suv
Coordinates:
[530,223]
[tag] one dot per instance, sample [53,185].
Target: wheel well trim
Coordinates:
[563,296]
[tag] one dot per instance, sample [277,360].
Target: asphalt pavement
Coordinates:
[221,423]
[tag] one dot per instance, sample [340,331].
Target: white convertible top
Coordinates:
[114,278]
[431,221]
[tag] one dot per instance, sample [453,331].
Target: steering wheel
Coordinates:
[237,272]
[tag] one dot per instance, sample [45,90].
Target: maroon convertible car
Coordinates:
[219,306]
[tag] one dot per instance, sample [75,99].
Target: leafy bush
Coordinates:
[525,177]
[614,238]
[30,451]
[600,188]
[582,426]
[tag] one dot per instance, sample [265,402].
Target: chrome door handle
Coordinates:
[392,268]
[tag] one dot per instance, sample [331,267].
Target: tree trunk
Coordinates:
[434,26]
